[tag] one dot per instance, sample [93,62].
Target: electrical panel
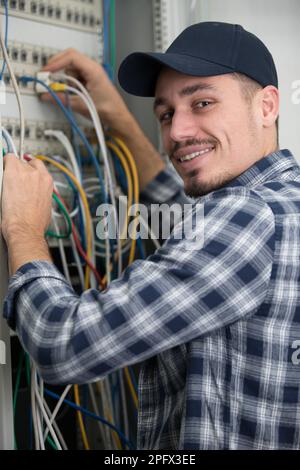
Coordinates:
[36,31]
[76,14]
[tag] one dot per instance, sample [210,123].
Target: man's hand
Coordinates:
[26,210]
[109,104]
[111,108]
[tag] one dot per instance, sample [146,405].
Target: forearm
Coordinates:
[24,248]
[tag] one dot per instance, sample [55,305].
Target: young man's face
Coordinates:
[209,130]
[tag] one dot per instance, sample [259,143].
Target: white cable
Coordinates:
[62,253]
[103,388]
[63,139]
[18,96]
[10,140]
[36,409]
[55,426]
[62,76]
[56,409]
[33,411]
[63,161]
[74,211]
[53,434]
[101,139]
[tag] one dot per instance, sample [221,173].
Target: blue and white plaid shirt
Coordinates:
[217,327]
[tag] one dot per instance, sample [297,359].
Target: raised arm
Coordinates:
[111,108]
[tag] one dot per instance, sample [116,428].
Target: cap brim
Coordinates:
[138,73]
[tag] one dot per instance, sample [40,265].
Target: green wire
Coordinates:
[113,35]
[49,440]
[49,233]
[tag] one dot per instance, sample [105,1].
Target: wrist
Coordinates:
[20,234]
[24,249]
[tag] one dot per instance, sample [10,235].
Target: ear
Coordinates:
[270,105]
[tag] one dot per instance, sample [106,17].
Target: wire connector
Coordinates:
[44,77]
[58,87]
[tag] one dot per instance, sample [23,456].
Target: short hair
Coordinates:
[248,88]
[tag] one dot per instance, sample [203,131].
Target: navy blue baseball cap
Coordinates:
[203,49]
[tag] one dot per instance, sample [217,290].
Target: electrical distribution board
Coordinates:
[36,31]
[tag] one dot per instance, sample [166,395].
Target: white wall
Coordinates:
[277,24]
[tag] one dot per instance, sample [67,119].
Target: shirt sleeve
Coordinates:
[191,287]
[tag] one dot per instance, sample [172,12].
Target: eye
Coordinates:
[202,104]
[165,117]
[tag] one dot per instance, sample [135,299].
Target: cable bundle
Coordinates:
[77,193]
[86,174]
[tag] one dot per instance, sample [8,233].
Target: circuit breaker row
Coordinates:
[78,14]
[35,139]
[26,59]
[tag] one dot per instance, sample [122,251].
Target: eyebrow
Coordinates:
[186,91]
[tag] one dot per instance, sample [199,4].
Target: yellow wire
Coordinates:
[129,184]
[135,178]
[125,152]
[124,163]
[87,272]
[85,205]
[79,416]
[131,387]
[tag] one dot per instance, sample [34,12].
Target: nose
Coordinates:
[184,126]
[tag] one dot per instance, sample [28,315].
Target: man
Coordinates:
[215,324]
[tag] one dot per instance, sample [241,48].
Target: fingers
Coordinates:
[64,59]
[37,164]
[74,101]
[48,97]
[10,159]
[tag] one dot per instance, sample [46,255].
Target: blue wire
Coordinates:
[74,140]
[73,123]
[92,415]
[9,149]
[141,248]
[6,37]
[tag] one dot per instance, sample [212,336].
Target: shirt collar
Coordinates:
[265,169]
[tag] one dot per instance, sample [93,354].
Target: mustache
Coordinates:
[190,143]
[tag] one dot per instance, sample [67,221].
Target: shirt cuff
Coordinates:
[22,277]
[163,188]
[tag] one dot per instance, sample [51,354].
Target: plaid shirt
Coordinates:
[216,327]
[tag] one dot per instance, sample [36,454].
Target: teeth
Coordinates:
[194,155]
